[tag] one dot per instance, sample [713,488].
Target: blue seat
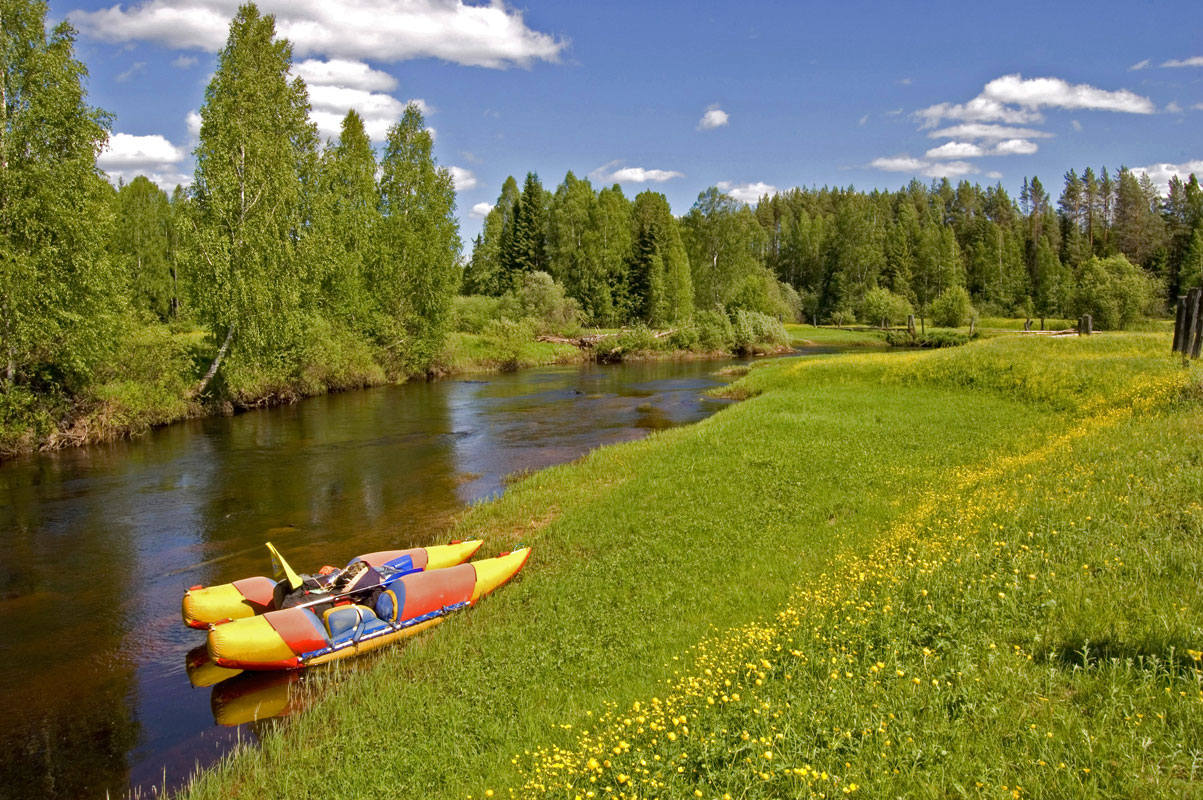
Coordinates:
[352,623]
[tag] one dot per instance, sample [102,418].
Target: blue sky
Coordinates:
[681,96]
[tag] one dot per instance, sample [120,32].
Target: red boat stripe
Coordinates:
[299,628]
[257,591]
[430,591]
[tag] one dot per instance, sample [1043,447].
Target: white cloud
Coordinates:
[464,179]
[1139,65]
[491,35]
[612,173]
[1193,61]
[1173,108]
[193,120]
[471,158]
[1015,100]
[184,62]
[1076,125]
[1161,173]
[746,192]
[994,174]
[863,120]
[1056,93]
[127,156]
[986,132]
[1014,147]
[714,117]
[342,72]
[928,169]
[955,150]
[131,72]
[979,109]
[338,85]
[903,81]
[480,210]
[894,112]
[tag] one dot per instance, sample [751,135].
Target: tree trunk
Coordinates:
[221,352]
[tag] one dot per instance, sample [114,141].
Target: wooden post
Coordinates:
[1079,326]
[1027,325]
[923,325]
[910,324]
[1042,323]
[972,323]
[1089,320]
[1198,332]
[1192,320]
[1179,324]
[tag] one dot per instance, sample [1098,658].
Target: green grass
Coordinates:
[945,514]
[471,352]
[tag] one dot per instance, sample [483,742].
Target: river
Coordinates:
[98,544]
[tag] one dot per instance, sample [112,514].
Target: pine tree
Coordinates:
[416,269]
[59,296]
[256,146]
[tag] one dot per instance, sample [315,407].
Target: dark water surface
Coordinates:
[97,545]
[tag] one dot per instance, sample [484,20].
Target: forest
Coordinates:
[291,267]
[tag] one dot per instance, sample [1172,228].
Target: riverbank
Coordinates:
[150,383]
[917,574]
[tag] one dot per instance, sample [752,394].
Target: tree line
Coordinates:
[1110,245]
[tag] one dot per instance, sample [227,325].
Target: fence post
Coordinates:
[910,324]
[1190,330]
[1179,323]
[972,324]
[1198,332]
[1089,320]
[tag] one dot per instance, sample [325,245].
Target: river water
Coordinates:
[98,544]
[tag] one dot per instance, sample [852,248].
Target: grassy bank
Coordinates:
[904,574]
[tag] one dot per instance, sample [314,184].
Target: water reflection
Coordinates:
[100,543]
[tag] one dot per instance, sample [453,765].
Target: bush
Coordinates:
[471,313]
[932,339]
[637,338]
[840,317]
[511,338]
[880,304]
[753,331]
[952,309]
[685,337]
[714,331]
[1113,291]
[539,297]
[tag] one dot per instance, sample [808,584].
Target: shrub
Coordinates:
[511,338]
[539,297]
[952,309]
[880,304]
[753,330]
[471,313]
[932,339]
[685,337]
[841,317]
[637,338]
[714,330]
[1113,291]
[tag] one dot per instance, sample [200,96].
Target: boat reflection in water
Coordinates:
[239,697]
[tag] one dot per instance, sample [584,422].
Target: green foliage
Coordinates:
[510,339]
[754,332]
[1113,291]
[60,299]
[471,313]
[841,317]
[932,339]
[256,149]
[540,298]
[952,308]
[141,246]
[721,237]
[881,305]
[416,265]
[638,338]
[714,331]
